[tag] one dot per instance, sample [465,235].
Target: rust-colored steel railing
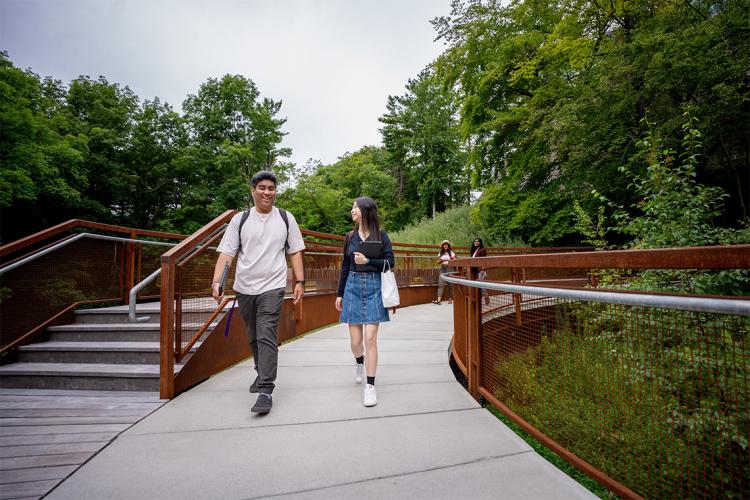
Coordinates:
[194,332]
[45,276]
[648,393]
[46,235]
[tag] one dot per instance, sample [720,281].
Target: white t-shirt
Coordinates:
[446,257]
[261,266]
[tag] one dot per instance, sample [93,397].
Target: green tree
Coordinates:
[552,96]
[233,134]
[42,172]
[421,136]
[671,209]
[152,179]
[323,194]
[104,113]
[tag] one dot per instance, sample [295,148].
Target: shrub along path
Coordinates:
[425,438]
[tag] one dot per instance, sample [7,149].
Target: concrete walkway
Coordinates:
[426,438]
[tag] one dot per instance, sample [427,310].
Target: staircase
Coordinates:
[100,350]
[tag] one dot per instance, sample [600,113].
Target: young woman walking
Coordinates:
[445,255]
[359,297]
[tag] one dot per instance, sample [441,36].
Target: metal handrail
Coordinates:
[134,296]
[740,307]
[150,278]
[68,241]
[45,234]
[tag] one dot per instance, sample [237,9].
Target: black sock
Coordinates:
[370,380]
[360,359]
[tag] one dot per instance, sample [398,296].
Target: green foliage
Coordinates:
[592,230]
[674,209]
[91,150]
[671,209]
[233,134]
[421,137]
[322,196]
[41,160]
[510,214]
[456,225]
[552,95]
[649,406]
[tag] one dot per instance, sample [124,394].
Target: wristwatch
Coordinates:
[300,282]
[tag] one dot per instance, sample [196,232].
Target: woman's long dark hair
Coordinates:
[369,220]
[474,247]
[443,250]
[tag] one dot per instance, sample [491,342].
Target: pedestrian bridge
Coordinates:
[623,385]
[426,438]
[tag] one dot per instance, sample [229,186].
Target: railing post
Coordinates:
[459,323]
[473,328]
[129,269]
[177,313]
[515,274]
[139,267]
[123,270]
[166,337]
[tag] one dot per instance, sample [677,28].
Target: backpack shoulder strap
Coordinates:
[245,215]
[285,218]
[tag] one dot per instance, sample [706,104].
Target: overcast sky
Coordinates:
[333,63]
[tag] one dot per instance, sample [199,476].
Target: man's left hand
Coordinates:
[299,292]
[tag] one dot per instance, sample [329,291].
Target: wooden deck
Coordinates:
[45,435]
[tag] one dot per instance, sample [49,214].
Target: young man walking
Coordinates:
[262,236]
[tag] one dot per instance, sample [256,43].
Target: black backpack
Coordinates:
[284,217]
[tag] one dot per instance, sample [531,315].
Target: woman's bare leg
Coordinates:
[371,348]
[355,336]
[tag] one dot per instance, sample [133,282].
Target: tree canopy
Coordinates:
[93,150]
[536,108]
[553,94]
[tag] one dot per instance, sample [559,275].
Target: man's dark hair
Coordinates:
[263,175]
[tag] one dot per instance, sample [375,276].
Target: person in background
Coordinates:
[445,255]
[260,278]
[478,250]
[359,299]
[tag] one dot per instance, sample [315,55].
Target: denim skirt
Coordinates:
[363,302]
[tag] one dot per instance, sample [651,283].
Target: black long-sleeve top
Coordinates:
[374,265]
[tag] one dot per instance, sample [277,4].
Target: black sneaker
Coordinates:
[254,386]
[263,404]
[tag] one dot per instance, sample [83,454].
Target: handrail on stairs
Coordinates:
[59,270]
[132,302]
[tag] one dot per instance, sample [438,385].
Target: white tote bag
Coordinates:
[388,287]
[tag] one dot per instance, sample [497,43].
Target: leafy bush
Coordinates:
[672,209]
[658,400]
[456,225]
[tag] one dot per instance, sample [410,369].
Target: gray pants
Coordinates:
[441,286]
[261,314]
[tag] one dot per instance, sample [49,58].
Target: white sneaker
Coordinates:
[371,398]
[358,373]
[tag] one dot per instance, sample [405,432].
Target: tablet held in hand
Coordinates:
[371,249]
